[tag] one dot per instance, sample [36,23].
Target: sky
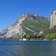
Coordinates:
[11,10]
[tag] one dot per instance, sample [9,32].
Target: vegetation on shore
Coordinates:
[50,37]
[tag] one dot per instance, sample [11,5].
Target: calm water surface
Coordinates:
[34,48]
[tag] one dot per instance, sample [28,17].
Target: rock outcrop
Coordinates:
[53,19]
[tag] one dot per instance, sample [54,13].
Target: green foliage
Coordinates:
[51,36]
[36,25]
[49,31]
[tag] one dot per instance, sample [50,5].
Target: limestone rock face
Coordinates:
[53,19]
[14,30]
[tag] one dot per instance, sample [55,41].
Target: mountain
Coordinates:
[36,25]
[28,24]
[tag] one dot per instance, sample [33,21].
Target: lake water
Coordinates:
[28,48]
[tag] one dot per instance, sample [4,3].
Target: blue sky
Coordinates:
[11,10]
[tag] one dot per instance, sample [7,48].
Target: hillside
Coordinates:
[49,31]
[36,25]
[50,34]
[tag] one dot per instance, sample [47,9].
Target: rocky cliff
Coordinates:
[53,19]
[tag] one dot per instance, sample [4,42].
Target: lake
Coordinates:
[28,48]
